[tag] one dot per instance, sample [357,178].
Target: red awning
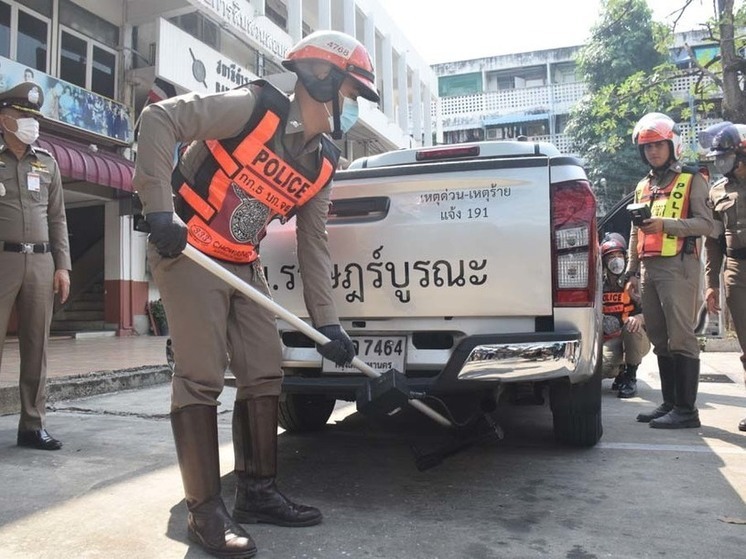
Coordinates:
[77,161]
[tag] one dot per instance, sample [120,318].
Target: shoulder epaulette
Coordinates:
[42,150]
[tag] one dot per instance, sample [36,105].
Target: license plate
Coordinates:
[380,352]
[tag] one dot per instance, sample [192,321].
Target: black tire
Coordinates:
[303,413]
[576,409]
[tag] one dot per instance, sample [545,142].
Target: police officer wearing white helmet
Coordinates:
[664,249]
[726,246]
[254,155]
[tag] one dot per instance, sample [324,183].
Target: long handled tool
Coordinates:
[261,299]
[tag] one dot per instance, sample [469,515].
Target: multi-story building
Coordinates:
[531,94]
[100,61]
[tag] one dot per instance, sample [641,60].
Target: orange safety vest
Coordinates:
[619,303]
[671,201]
[244,168]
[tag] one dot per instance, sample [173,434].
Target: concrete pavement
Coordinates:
[78,367]
[114,490]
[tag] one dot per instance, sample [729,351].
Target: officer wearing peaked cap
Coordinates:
[34,250]
[26,97]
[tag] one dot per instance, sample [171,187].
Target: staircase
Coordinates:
[85,313]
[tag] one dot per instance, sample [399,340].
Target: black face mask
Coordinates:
[321,90]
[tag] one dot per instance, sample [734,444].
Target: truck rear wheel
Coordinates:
[576,409]
[302,413]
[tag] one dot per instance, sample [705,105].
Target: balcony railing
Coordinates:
[467,111]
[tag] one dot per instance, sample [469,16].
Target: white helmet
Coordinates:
[657,127]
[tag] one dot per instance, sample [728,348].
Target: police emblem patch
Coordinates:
[33,95]
[248,218]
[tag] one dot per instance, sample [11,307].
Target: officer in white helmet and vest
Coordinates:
[254,155]
[664,249]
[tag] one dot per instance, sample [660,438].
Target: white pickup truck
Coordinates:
[471,268]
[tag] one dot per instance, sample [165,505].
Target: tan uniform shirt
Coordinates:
[218,116]
[728,199]
[29,214]
[698,223]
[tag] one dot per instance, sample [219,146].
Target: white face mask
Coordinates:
[348,116]
[616,265]
[27,130]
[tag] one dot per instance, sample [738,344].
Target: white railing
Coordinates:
[554,99]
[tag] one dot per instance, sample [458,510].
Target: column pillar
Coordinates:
[369,39]
[403,113]
[387,77]
[427,110]
[417,108]
[125,287]
[295,20]
[348,12]
[325,14]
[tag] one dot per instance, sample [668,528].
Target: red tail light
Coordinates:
[574,244]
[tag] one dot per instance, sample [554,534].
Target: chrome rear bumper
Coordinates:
[515,362]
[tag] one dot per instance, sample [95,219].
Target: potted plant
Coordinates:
[158,321]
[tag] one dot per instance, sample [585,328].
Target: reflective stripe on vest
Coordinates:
[669,202]
[249,173]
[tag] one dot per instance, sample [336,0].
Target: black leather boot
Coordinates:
[667,371]
[628,386]
[684,414]
[255,447]
[195,431]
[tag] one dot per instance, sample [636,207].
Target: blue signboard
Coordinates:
[72,105]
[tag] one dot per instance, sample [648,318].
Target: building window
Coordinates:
[87,63]
[88,24]
[24,36]
[199,27]
[5,31]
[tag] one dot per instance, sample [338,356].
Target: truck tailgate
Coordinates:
[432,240]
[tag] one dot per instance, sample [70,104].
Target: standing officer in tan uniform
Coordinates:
[727,243]
[665,249]
[34,251]
[254,156]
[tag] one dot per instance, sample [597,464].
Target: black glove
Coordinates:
[340,349]
[167,232]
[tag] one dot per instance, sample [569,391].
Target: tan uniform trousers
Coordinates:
[734,281]
[627,349]
[670,288]
[209,321]
[28,281]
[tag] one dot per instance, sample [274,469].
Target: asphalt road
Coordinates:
[114,490]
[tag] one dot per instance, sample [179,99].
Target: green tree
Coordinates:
[621,64]
[726,72]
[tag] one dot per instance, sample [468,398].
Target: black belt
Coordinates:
[737,253]
[27,248]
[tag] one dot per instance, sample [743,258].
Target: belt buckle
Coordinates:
[27,248]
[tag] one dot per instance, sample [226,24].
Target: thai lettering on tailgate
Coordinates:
[404,278]
[460,202]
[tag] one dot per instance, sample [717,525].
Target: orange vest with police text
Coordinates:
[248,163]
[671,201]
